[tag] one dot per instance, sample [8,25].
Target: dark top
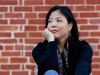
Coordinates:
[79,57]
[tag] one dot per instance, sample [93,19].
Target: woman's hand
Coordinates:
[48,35]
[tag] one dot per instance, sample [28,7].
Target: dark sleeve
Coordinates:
[83,66]
[46,58]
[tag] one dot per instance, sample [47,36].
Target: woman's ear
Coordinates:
[70,26]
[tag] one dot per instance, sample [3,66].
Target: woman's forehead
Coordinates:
[57,15]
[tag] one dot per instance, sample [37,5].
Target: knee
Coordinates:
[51,72]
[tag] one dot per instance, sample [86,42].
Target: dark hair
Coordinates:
[70,18]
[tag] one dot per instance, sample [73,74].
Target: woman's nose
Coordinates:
[54,24]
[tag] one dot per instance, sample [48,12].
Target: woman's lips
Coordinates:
[54,31]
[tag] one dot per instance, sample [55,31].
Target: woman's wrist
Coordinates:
[51,39]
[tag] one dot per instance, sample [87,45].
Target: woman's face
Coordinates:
[58,25]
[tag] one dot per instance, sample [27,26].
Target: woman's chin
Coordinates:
[56,38]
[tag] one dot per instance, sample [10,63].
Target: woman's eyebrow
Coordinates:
[50,18]
[56,18]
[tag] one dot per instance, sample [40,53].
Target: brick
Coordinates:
[91,40]
[97,7]
[20,73]
[83,34]
[1,47]
[3,22]
[75,15]
[23,9]
[30,28]
[3,60]
[95,59]
[20,2]
[20,40]
[42,15]
[33,41]
[52,2]
[1,15]
[3,9]
[18,60]
[41,28]
[85,8]
[4,72]
[30,15]
[88,15]
[21,28]
[18,21]
[19,47]
[32,60]
[29,54]
[36,21]
[33,2]
[8,2]
[8,41]
[8,28]
[24,34]
[12,15]
[10,8]
[95,33]
[93,2]
[96,72]
[32,73]
[10,53]
[81,21]
[91,27]
[30,67]
[94,21]
[35,34]
[95,66]
[29,47]
[75,2]
[23,67]
[98,46]
[22,54]
[10,67]
[98,14]
[42,8]
[95,53]
[5,34]
[8,47]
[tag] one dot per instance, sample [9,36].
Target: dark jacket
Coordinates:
[79,57]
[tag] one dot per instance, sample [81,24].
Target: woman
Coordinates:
[62,51]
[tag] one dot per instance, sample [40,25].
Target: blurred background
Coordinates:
[21,26]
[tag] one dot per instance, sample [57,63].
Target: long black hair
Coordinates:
[70,18]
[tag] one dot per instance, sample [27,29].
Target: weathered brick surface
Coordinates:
[22,23]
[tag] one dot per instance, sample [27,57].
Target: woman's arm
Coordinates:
[46,58]
[83,66]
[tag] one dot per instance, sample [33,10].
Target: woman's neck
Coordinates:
[61,43]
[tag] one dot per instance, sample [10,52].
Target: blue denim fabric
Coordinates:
[51,72]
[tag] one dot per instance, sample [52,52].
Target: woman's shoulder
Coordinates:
[42,44]
[39,48]
[85,46]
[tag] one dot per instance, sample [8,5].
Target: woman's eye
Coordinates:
[58,20]
[49,21]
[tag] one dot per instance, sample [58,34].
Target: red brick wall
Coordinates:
[22,23]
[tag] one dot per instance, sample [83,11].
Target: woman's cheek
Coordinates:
[48,27]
